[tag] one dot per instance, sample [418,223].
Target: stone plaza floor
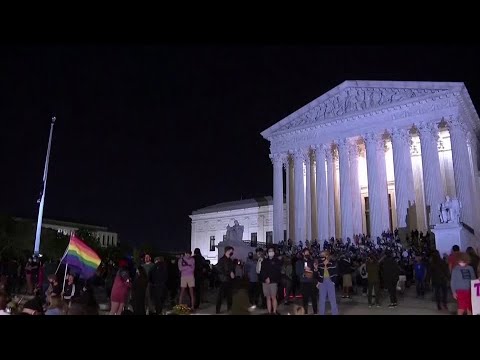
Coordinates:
[408,304]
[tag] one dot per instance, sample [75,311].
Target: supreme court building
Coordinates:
[370,156]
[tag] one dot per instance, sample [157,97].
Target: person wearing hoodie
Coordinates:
[251,272]
[304,269]
[271,276]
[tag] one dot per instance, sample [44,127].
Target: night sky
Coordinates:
[146,134]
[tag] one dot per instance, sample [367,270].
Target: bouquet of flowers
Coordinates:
[181,310]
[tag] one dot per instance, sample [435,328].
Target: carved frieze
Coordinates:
[354,100]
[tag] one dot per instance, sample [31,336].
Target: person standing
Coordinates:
[326,273]
[420,271]
[373,279]
[158,279]
[287,279]
[148,266]
[270,276]
[173,280]
[440,275]
[452,258]
[391,273]
[460,283]
[251,272]
[139,291]
[186,265]
[260,258]
[346,270]
[28,276]
[304,270]
[225,269]
[363,275]
[120,289]
[200,274]
[474,260]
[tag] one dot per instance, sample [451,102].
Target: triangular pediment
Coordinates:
[357,97]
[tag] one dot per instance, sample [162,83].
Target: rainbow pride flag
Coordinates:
[81,257]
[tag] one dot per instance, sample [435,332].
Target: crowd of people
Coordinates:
[309,274]
[315,272]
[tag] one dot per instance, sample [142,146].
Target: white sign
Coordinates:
[475,288]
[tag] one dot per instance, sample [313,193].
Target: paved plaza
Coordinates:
[408,304]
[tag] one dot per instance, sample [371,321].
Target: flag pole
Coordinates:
[64,277]
[36,250]
[65,253]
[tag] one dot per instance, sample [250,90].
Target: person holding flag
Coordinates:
[80,259]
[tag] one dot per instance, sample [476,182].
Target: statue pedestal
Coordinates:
[240,249]
[449,234]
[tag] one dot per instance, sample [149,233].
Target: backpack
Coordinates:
[363,271]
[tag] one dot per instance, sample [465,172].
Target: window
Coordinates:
[284,235]
[212,243]
[269,237]
[225,237]
[253,239]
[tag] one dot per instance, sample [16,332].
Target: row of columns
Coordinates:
[350,197]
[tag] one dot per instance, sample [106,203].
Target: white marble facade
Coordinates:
[209,225]
[373,156]
[104,236]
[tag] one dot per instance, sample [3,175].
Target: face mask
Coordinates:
[250,256]
[461,263]
[322,259]
[271,254]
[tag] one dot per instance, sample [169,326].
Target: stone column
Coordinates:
[331,191]
[308,196]
[472,144]
[286,165]
[277,161]
[322,193]
[300,221]
[374,144]
[345,189]
[462,170]
[356,194]
[382,176]
[432,177]
[402,168]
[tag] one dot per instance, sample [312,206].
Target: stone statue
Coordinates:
[455,211]
[235,232]
[449,211]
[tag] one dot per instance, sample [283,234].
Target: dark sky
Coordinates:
[146,134]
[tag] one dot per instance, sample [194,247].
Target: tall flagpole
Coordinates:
[36,250]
